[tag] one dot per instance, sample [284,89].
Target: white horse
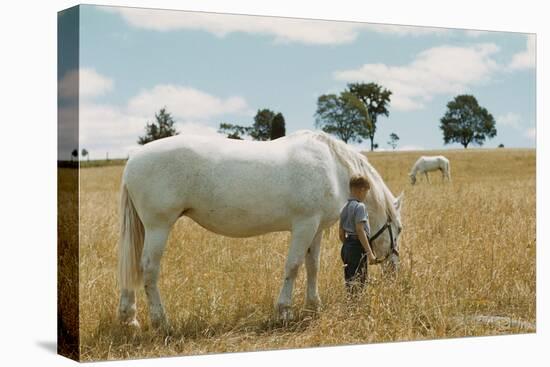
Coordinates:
[426,164]
[297,183]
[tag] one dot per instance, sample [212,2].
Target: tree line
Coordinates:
[351,115]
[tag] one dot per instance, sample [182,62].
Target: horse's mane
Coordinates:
[357,163]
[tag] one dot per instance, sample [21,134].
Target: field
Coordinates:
[467,249]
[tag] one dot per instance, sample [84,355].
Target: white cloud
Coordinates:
[509,119]
[531,133]
[67,86]
[284,29]
[514,121]
[197,128]
[109,129]
[185,103]
[90,83]
[527,58]
[114,129]
[93,84]
[438,70]
[318,32]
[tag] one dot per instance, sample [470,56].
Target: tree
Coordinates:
[342,115]
[235,136]
[501,145]
[278,126]
[261,129]
[233,131]
[162,127]
[74,154]
[466,122]
[375,99]
[267,125]
[393,140]
[85,153]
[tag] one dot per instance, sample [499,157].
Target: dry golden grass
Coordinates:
[468,248]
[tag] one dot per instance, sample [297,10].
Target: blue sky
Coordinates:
[212,68]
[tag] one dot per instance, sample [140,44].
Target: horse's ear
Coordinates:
[398,201]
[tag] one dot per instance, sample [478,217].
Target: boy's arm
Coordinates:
[341,233]
[360,230]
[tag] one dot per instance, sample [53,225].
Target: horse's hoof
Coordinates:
[313,305]
[160,324]
[131,324]
[134,324]
[284,314]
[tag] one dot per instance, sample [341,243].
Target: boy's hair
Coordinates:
[359,181]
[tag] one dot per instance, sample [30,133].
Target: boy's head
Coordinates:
[359,186]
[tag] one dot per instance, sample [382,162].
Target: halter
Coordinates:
[379,232]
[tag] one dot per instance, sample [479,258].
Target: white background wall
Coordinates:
[28,181]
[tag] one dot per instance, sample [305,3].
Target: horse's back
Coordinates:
[231,181]
[430,163]
[442,160]
[432,158]
[176,164]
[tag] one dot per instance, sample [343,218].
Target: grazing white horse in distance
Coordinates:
[240,188]
[426,164]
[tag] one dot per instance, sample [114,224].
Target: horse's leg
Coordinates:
[153,248]
[127,309]
[302,237]
[427,177]
[313,302]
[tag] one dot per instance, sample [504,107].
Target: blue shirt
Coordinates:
[354,212]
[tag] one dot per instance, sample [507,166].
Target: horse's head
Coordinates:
[397,228]
[387,236]
[413,178]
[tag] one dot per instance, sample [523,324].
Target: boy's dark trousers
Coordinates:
[355,263]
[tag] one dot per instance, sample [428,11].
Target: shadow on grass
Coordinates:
[194,329]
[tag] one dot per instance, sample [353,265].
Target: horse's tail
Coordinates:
[130,244]
[448,170]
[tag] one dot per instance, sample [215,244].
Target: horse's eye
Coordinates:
[399,229]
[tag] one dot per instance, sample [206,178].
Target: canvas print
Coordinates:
[244,183]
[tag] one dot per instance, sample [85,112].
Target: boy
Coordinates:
[353,232]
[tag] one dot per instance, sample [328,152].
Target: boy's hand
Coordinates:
[372,259]
[365,243]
